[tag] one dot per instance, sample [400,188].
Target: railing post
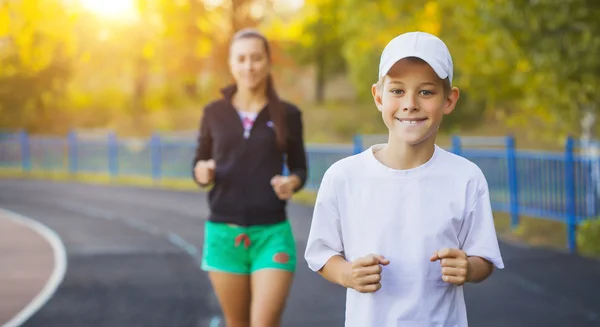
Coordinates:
[357,141]
[72,151]
[25,151]
[513,186]
[456,147]
[113,154]
[570,195]
[155,156]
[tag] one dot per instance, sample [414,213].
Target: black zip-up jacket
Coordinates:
[242,193]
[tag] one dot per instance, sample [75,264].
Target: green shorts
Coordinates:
[244,250]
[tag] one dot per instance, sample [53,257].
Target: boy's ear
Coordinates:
[451,100]
[377,96]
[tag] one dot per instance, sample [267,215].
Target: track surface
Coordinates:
[133,261]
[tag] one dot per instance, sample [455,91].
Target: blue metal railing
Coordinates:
[158,157]
[563,187]
[550,185]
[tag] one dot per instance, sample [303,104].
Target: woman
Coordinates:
[249,249]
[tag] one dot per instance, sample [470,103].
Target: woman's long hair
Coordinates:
[276,109]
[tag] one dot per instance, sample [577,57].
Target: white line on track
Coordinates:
[58,273]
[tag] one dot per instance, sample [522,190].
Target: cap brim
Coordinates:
[437,68]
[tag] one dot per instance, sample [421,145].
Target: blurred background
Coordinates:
[139,66]
[118,86]
[112,91]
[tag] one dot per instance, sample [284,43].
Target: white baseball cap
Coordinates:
[422,45]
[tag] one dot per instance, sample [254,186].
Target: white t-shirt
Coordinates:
[365,207]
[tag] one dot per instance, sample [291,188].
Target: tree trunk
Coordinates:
[321,61]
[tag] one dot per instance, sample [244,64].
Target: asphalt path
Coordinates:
[133,260]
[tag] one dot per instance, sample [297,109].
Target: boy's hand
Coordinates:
[204,171]
[283,186]
[366,273]
[455,265]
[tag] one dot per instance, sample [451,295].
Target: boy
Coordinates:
[404,225]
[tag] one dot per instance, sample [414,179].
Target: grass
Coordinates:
[100,179]
[532,231]
[549,234]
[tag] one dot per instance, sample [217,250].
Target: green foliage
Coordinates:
[588,237]
[558,42]
[320,24]
[35,57]
[527,62]
[524,63]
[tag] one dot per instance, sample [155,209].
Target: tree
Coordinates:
[322,41]
[36,53]
[561,40]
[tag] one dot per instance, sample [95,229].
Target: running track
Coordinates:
[132,260]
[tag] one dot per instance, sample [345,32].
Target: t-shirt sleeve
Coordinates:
[325,236]
[478,234]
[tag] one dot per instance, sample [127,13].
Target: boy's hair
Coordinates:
[418,46]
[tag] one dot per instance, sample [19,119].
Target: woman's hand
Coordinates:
[285,186]
[204,171]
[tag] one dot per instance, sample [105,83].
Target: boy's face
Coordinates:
[412,101]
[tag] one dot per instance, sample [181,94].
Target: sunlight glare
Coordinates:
[111,8]
[212,4]
[285,5]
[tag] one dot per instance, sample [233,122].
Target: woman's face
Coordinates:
[249,62]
